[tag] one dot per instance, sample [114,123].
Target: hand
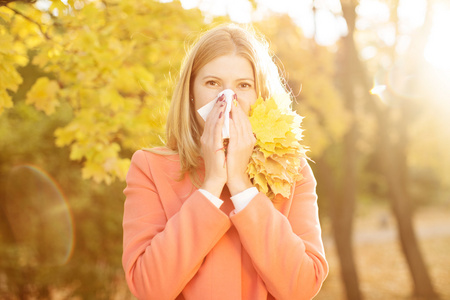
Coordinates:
[212,149]
[240,148]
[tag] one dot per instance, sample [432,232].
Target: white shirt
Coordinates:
[239,200]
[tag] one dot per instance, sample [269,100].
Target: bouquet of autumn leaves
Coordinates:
[274,166]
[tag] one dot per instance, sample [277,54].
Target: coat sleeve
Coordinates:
[287,252]
[160,256]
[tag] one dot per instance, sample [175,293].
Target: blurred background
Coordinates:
[85,83]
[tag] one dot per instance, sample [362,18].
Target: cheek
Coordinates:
[246,108]
[247,102]
[203,96]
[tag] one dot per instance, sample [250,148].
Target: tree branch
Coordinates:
[29,19]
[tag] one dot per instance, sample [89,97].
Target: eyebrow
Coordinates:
[239,79]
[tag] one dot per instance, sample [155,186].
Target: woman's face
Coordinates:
[225,72]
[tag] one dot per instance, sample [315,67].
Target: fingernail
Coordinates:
[234,97]
[220,115]
[220,98]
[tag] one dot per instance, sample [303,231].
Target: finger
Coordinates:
[214,116]
[219,124]
[243,127]
[235,116]
[245,121]
[216,109]
[240,119]
[233,133]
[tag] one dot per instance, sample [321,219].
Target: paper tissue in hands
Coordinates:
[205,110]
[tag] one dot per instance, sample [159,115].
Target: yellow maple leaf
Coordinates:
[275,163]
[43,95]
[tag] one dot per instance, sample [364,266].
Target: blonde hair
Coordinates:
[182,130]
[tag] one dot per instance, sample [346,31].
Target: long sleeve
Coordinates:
[161,255]
[214,200]
[287,252]
[241,200]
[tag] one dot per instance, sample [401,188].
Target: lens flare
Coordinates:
[39,216]
[378,89]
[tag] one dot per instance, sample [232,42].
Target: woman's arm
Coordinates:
[160,256]
[288,252]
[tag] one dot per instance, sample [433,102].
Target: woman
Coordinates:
[194,225]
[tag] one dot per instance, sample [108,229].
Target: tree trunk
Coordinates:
[343,208]
[394,166]
[392,150]
[341,215]
[397,174]
[342,212]
[392,157]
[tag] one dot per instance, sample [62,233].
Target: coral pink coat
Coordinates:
[178,245]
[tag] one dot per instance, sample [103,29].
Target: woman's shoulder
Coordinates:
[305,171]
[156,157]
[156,153]
[159,151]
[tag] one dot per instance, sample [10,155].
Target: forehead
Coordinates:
[228,64]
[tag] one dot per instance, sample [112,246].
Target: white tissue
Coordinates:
[205,110]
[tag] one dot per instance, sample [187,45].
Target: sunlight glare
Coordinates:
[379,89]
[411,14]
[437,50]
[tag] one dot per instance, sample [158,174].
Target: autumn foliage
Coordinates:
[84,84]
[109,61]
[276,162]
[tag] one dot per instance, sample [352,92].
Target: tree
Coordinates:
[93,74]
[329,129]
[109,61]
[343,211]
[309,73]
[391,149]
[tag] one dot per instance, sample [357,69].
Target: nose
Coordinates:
[229,93]
[228,87]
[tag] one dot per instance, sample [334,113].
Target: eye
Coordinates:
[212,83]
[245,85]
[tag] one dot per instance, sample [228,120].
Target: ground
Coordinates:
[382,269]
